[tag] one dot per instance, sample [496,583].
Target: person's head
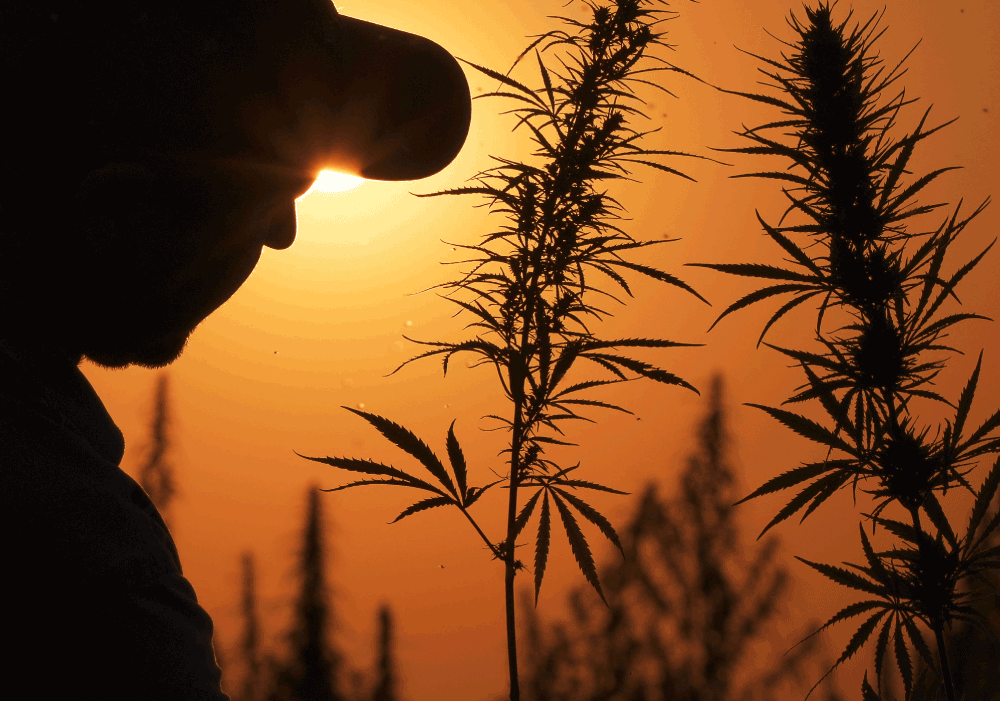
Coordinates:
[153,150]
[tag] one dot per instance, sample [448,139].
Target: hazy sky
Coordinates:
[320,325]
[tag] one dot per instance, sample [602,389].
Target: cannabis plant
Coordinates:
[533,287]
[686,607]
[850,248]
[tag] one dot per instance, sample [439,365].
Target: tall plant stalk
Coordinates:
[849,188]
[532,287]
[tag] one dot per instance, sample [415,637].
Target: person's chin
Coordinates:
[148,352]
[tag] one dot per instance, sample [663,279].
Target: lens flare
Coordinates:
[330,182]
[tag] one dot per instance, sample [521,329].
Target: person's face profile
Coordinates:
[174,239]
[166,236]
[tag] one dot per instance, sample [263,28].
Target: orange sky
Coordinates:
[319,325]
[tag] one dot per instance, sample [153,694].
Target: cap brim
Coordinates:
[408,106]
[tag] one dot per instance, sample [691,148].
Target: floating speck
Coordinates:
[441,566]
[361,405]
[409,323]
[275,352]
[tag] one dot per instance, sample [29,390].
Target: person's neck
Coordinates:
[35,349]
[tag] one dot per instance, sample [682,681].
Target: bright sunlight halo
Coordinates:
[330,182]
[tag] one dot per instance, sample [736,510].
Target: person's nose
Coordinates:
[280,233]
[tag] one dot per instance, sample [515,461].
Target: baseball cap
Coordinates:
[301,83]
[353,96]
[409,104]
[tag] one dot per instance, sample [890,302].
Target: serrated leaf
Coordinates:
[542,544]
[522,518]
[949,286]
[916,187]
[641,368]
[369,467]
[782,311]
[836,410]
[850,611]
[664,168]
[813,491]
[638,343]
[776,175]
[901,530]
[423,506]
[506,80]
[880,646]
[546,80]
[875,566]
[595,517]
[457,459]
[983,500]
[593,403]
[755,297]
[578,544]
[389,481]
[965,402]
[580,386]
[475,492]
[845,577]
[861,636]
[867,692]
[988,427]
[827,487]
[552,441]
[794,477]
[806,427]
[797,253]
[757,270]
[933,509]
[903,660]
[570,353]
[766,99]
[408,441]
[659,275]
[589,485]
[918,641]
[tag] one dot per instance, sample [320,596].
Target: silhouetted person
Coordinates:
[150,151]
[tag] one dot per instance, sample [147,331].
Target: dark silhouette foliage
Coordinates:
[852,202]
[385,658]
[252,685]
[156,474]
[685,607]
[534,287]
[973,650]
[310,671]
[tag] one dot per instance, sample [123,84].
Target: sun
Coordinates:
[329,182]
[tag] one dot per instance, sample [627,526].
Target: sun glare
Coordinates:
[332,183]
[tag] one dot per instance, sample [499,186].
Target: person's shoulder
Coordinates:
[71,513]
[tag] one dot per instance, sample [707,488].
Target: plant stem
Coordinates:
[493,548]
[517,392]
[515,689]
[949,688]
